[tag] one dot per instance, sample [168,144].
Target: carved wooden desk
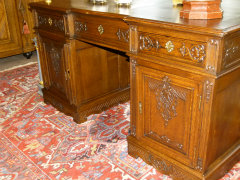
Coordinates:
[184,77]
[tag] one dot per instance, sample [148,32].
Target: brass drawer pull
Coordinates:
[100,29]
[169,46]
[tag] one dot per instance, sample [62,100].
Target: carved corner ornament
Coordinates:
[167,97]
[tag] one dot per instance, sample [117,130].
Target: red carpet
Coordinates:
[38,142]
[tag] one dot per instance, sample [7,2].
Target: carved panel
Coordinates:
[167,97]
[51,22]
[123,35]
[231,52]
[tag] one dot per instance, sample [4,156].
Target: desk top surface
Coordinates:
[157,11]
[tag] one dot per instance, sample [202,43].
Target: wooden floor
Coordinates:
[17,60]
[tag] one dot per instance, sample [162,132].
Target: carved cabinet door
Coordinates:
[168,113]
[55,68]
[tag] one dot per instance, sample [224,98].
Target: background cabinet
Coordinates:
[16,25]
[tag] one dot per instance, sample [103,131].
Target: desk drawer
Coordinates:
[51,22]
[106,31]
[177,49]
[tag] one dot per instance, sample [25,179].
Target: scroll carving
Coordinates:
[165,139]
[80,26]
[146,43]
[167,97]
[52,22]
[196,52]
[121,34]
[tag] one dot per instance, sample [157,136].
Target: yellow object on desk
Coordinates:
[176,2]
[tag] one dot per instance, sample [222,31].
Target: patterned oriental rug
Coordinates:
[39,142]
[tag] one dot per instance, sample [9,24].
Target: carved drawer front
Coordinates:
[177,49]
[168,113]
[51,22]
[105,31]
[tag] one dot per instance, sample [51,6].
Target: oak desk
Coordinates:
[184,77]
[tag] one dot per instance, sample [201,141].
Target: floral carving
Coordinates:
[167,97]
[196,52]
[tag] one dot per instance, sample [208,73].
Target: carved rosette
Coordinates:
[123,34]
[167,97]
[196,52]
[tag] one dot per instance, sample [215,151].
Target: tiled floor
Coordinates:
[17,60]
